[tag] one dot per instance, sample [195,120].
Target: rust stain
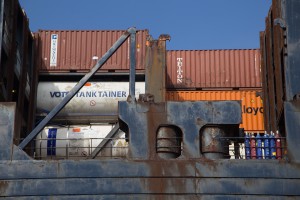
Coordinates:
[211,164]
[3,187]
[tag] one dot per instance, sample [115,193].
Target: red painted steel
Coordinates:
[77,48]
[192,69]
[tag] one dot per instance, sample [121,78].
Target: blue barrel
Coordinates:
[253,146]
[258,146]
[266,146]
[247,146]
[272,145]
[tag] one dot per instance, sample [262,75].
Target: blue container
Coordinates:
[258,146]
[247,146]
[267,154]
[272,146]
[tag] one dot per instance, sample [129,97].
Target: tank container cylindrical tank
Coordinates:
[77,142]
[95,98]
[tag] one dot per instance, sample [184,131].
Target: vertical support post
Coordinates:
[7,125]
[132,64]
[156,68]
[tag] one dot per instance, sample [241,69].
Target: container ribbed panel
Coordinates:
[192,69]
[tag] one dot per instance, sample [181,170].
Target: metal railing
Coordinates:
[78,148]
[256,148]
[243,148]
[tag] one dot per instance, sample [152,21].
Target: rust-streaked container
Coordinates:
[79,50]
[196,69]
[251,104]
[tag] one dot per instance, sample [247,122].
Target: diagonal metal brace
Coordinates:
[76,88]
[108,138]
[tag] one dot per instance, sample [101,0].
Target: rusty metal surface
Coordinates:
[159,196]
[156,67]
[292,70]
[144,119]
[292,119]
[279,46]
[173,177]
[1,30]
[144,175]
[211,145]
[16,68]
[168,143]
[270,73]
[278,57]
[265,92]
[76,49]
[191,69]
[7,123]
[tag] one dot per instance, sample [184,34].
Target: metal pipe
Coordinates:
[102,144]
[132,63]
[76,88]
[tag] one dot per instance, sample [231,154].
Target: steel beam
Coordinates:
[132,64]
[108,138]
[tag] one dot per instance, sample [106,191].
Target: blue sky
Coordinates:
[192,24]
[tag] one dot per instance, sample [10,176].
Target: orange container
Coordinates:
[251,104]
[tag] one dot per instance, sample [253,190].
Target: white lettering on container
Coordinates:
[179,71]
[53,50]
[89,94]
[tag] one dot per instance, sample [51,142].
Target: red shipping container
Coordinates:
[79,50]
[197,69]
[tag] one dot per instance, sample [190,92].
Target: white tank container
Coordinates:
[77,142]
[95,98]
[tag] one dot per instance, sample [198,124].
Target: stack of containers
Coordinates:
[67,53]
[63,57]
[218,75]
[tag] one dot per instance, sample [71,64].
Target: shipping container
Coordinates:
[98,99]
[197,69]
[251,104]
[79,50]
